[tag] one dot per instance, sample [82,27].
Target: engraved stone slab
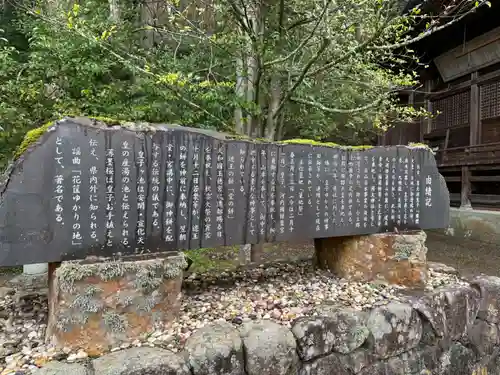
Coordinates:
[87,189]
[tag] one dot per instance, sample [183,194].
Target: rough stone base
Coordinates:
[96,306]
[389,258]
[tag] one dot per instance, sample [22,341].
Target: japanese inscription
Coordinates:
[130,192]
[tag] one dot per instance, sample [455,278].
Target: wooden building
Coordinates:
[461,87]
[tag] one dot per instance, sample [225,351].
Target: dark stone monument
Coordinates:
[88,189]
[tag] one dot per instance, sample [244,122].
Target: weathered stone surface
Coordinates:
[270,349]
[334,329]
[141,361]
[395,328]
[462,306]
[215,350]
[94,306]
[62,368]
[447,312]
[483,336]
[408,363]
[389,258]
[458,360]
[489,309]
[331,364]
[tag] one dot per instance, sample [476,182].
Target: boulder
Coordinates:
[395,328]
[489,309]
[334,329]
[63,368]
[328,365]
[141,361]
[483,337]
[270,349]
[215,350]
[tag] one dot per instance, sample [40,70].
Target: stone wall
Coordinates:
[449,331]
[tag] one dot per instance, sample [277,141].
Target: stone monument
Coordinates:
[120,201]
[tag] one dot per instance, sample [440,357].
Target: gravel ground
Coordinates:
[278,291]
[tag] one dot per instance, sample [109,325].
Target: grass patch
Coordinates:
[209,259]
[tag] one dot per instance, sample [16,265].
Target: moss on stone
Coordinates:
[147,275]
[32,137]
[116,323]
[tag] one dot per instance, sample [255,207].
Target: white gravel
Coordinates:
[281,292]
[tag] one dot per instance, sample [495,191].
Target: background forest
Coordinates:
[318,69]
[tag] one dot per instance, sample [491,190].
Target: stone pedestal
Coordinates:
[389,258]
[96,306]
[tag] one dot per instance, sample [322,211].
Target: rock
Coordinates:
[489,310]
[138,293]
[335,329]
[395,328]
[458,360]
[328,365]
[151,361]
[392,258]
[61,368]
[270,349]
[215,350]
[483,336]
[462,306]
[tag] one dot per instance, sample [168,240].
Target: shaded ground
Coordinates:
[468,257]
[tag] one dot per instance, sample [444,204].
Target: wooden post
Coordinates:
[474,111]
[427,123]
[466,188]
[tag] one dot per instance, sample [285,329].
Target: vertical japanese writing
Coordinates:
[253,192]
[93,188]
[169,194]
[343,179]
[373,192]
[231,186]
[380,182]
[357,193]
[301,187]
[76,178]
[319,202]
[272,191]
[417,194]
[412,191]
[263,193]
[335,192]
[208,194]
[366,192]
[155,186]
[399,217]
[125,203]
[219,184]
[406,176]
[196,194]
[326,195]
[428,191]
[110,195]
[59,183]
[394,188]
[183,199]
[386,191]
[282,194]
[350,191]
[141,199]
[291,192]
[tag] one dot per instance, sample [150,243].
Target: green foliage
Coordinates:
[335,65]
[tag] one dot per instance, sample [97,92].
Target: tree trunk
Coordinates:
[114,10]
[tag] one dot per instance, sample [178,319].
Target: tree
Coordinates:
[317,69]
